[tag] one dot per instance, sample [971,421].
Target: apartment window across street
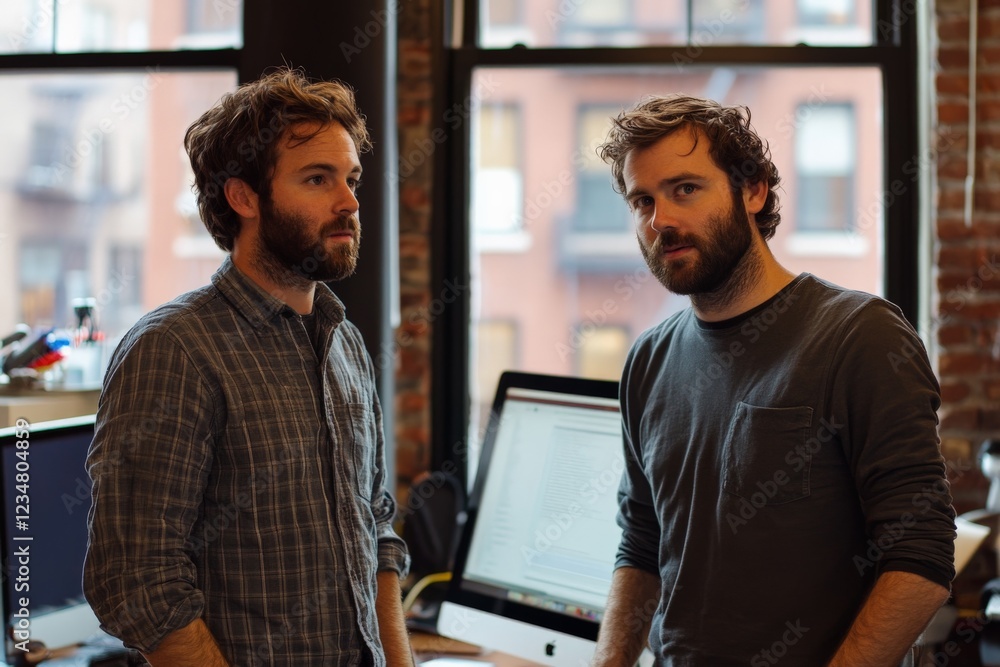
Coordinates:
[95,206]
[568,68]
[825,156]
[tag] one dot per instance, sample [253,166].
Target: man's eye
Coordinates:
[642,202]
[354,183]
[687,189]
[315,180]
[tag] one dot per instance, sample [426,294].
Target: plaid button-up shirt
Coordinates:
[239,477]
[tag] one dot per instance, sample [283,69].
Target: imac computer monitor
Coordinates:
[46,498]
[537,552]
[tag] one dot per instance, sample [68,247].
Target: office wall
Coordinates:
[966,294]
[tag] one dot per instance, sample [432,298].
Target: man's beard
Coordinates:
[291,255]
[722,266]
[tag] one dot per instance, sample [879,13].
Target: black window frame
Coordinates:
[894,50]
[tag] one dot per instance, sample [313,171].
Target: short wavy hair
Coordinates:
[238,138]
[734,145]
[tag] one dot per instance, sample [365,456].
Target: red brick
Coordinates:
[954,27]
[986,139]
[987,200]
[960,257]
[988,55]
[951,140]
[951,6]
[987,111]
[987,83]
[949,82]
[960,419]
[960,363]
[411,402]
[411,362]
[954,392]
[953,112]
[954,334]
[953,57]
[413,114]
[949,229]
[950,199]
[414,196]
[992,389]
[951,167]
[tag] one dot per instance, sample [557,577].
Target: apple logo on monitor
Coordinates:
[550,648]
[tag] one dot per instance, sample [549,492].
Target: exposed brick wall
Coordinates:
[413,338]
[967,258]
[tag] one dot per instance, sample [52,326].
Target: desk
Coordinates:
[40,406]
[428,646]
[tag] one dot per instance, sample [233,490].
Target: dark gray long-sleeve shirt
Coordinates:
[776,463]
[239,476]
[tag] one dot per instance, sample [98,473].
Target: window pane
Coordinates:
[96,200]
[825,147]
[497,154]
[76,26]
[584,23]
[581,271]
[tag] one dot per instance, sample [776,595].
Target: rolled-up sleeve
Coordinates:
[890,397]
[149,463]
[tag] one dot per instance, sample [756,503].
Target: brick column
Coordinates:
[967,258]
[414,173]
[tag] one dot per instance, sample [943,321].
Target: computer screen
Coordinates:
[46,498]
[536,557]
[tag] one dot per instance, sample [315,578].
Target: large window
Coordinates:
[576,290]
[96,208]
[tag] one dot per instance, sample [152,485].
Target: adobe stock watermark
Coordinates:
[554,188]
[924,501]
[224,8]
[39,22]
[364,34]
[985,273]
[751,330]
[138,434]
[560,523]
[911,169]
[793,120]
[708,33]
[794,631]
[121,108]
[453,117]
[626,287]
[796,459]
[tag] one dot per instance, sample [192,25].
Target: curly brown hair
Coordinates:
[238,138]
[734,146]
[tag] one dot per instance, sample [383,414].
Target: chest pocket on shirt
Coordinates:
[361,441]
[764,457]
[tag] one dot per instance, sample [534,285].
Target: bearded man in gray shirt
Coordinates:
[240,513]
[784,498]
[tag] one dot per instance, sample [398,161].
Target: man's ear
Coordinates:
[754,196]
[242,198]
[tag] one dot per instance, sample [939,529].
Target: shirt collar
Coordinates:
[261,308]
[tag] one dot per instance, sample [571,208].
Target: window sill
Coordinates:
[827,244]
[502,242]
